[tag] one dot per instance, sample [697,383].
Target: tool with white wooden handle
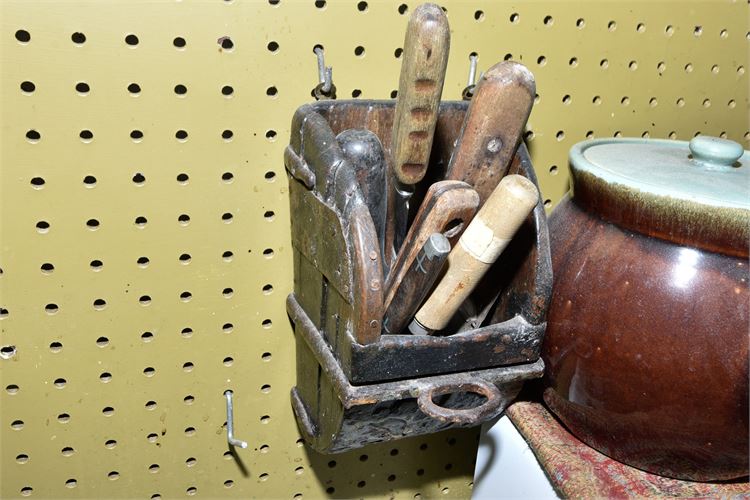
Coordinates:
[479,247]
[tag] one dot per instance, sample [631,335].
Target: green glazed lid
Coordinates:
[695,193]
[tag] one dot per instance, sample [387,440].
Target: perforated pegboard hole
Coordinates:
[136,135]
[265,419]
[50,309]
[190,462]
[55,347]
[227,217]
[147,336]
[134,89]
[33,136]
[179,42]
[17,425]
[108,411]
[26,491]
[7,351]
[102,342]
[227,256]
[149,371]
[113,475]
[105,377]
[190,431]
[180,89]
[67,451]
[27,87]
[188,366]
[22,458]
[227,90]
[12,389]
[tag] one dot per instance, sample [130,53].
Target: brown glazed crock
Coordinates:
[647,340]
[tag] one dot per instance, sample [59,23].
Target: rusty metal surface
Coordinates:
[353,380]
[391,410]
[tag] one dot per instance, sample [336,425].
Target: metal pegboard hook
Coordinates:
[325,88]
[230,422]
[468,92]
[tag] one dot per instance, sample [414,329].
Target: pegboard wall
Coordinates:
[145,226]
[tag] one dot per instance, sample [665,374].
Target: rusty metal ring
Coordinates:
[461,416]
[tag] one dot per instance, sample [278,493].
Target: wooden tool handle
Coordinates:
[493,127]
[416,283]
[447,208]
[479,247]
[425,58]
[365,154]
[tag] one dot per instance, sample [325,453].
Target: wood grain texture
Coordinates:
[493,127]
[425,57]
[447,205]
[479,247]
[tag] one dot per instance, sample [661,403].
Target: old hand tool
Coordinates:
[447,208]
[417,283]
[365,153]
[425,57]
[492,127]
[479,247]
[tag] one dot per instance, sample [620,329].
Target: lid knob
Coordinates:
[715,151]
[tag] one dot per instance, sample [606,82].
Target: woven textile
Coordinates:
[578,471]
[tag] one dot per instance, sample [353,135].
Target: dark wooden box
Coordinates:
[349,393]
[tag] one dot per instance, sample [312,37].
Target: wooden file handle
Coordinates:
[447,208]
[493,127]
[479,247]
[423,66]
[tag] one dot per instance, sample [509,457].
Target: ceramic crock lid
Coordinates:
[695,193]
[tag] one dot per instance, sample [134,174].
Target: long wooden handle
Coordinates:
[416,283]
[366,156]
[479,247]
[447,208]
[425,58]
[493,127]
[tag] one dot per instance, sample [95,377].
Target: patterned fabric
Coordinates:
[578,471]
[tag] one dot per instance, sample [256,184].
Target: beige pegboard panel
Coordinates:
[144,218]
